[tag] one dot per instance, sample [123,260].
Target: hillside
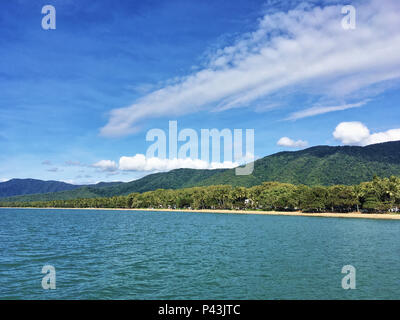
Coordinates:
[174,179]
[321,165]
[30,186]
[20,187]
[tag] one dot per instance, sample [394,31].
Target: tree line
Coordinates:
[377,196]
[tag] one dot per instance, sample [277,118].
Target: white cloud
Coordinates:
[351,132]
[305,50]
[321,110]
[287,142]
[105,165]
[390,135]
[139,162]
[4,179]
[356,133]
[72,181]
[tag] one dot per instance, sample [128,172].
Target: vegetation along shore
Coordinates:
[379,196]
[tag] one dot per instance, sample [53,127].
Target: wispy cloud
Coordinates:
[71,163]
[106,165]
[314,111]
[305,49]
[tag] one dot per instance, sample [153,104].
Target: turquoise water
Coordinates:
[157,255]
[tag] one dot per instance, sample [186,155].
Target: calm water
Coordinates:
[152,255]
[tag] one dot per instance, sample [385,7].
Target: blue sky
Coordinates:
[284,70]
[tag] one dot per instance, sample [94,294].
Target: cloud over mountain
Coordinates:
[139,162]
[356,133]
[287,142]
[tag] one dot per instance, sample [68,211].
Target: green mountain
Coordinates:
[17,187]
[30,186]
[321,165]
[174,179]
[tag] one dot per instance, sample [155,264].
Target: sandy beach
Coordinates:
[385,216]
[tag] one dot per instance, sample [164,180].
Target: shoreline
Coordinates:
[382,216]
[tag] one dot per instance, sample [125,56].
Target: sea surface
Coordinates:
[101,254]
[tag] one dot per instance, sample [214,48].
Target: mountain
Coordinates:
[16,187]
[321,165]
[175,179]
[30,186]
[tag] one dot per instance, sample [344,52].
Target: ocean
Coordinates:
[100,254]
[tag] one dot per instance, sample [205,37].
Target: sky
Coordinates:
[77,101]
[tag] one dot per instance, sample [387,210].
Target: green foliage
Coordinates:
[378,195]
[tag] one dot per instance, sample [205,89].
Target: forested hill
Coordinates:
[29,186]
[16,187]
[321,165]
[175,179]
